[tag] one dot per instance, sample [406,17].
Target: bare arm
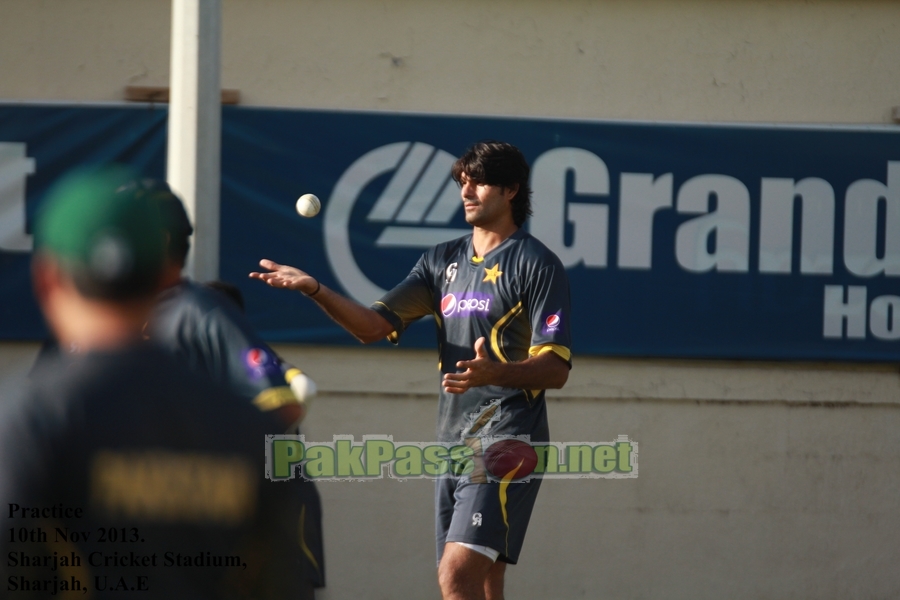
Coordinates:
[545,371]
[362,322]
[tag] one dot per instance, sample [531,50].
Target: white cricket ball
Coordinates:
[308,205]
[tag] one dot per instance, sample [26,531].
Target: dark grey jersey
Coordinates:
[209,334]
[516,297]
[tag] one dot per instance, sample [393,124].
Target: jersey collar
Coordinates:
[477,261]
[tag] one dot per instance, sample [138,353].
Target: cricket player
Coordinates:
[500,300]
[121,470]
[209,333]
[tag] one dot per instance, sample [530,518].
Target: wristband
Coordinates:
[316,291]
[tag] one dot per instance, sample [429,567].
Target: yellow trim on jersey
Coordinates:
[274,397]
[309,553]
[440,324]
[387,307]
[561,351]
[504,322]
[291,373]
[504,484]
[478,259]
[393,337]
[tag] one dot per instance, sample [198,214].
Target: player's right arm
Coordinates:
[362,322]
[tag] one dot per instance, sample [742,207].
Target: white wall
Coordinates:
[697,60]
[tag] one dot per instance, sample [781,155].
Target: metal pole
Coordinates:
[195,126]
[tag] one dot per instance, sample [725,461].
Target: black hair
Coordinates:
[175,219]
[500,164]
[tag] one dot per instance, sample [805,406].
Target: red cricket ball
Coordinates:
[503,457]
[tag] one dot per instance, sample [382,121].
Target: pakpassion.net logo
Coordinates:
[482,459]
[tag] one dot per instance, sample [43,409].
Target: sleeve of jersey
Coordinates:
[410,300]
[244,363]
[550,313]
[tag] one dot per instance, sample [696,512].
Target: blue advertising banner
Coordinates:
[765,242]
[39,144]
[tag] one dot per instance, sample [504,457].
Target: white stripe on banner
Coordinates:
[418,237]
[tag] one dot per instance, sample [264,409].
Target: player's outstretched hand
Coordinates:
[479,371]
[284,276]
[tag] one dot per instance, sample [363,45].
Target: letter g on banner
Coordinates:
[589,220]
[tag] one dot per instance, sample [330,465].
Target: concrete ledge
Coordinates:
[413,373]
[404,373]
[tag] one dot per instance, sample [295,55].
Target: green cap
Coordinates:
[111,243]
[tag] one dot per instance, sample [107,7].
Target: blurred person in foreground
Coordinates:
[120,470]
[207,332]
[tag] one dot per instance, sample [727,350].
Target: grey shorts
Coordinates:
[489,514]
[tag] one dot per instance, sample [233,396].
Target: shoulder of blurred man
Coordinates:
[143,382]
[209,332]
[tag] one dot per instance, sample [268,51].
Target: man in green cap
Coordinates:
[117,441]
[97,263]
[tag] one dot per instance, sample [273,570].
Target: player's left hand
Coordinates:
[285,276]
[478,372]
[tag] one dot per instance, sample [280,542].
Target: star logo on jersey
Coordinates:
[492,274]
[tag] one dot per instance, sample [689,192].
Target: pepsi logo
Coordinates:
[553,321]
[448,304]
[259,363]
[465,304]
[256,357]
